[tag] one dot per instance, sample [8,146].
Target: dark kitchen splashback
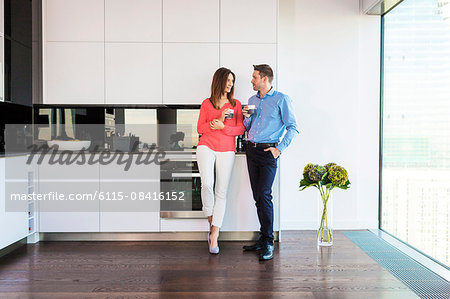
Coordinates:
[63,123]
[171,128]
[168,128]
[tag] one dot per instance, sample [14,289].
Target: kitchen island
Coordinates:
[99,221]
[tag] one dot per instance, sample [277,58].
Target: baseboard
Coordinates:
[339,225]
[149,236]
[12,247]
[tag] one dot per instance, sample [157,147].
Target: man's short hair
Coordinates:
[264,70]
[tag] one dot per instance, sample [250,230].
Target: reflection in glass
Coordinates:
[189,117]
[135,117]
[167,128]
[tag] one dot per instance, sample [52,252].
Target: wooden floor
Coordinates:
[176,269]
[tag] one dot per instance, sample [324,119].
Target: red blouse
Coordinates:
[220,140]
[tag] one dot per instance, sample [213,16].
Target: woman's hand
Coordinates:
[216,124]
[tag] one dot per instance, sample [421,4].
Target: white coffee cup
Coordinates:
[251,109]
[229,114]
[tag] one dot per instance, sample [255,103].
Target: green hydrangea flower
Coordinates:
[337,175]
[316,173]
[307,168]
[328,166]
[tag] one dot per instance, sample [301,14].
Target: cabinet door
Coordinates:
[18,21]
[184,225]
[129,203]
[240,214]
[133,20]
[13,214]
[74,20]
[188,71]
[133,73]
[74,73]
[249,21]
[69,180]
[129,221]
[72,222]
[191,21]
[36,22]
[20,84]
[240,58]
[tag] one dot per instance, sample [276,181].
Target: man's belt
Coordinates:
[261,145]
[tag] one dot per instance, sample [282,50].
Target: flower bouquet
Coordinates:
[325,178]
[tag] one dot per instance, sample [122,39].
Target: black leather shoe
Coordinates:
[266,253]
[255,247]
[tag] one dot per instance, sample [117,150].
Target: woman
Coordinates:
[219,122]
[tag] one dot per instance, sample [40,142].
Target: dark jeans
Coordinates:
[262,167]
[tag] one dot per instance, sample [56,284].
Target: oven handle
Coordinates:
[185,175]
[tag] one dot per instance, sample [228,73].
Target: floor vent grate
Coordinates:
[417,277]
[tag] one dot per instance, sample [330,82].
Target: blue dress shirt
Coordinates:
[274,113]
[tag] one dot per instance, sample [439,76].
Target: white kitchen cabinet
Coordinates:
[188,71]
[240,214]
[249,21]
[74,73]
[133,73]
[70,180]
[13,215]
[184,225]
[151,51]
[133,20]
[191,21]
[240,58]
[128,215]
[129,221]
[74,20]
[68,222]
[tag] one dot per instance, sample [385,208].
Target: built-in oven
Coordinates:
[180,175]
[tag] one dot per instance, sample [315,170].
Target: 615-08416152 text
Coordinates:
[102,196]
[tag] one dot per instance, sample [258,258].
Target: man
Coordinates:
[274,114]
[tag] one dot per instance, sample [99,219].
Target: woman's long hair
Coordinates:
[218,85]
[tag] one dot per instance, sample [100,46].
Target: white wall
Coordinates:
[328,59]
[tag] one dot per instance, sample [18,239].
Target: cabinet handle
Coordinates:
[185,175]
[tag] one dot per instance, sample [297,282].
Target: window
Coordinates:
[415,192]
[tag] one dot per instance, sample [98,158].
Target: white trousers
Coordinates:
[214,201]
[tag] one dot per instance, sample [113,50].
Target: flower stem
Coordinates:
[325,195]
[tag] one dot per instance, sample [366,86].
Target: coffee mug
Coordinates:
[229,114]
[251,109]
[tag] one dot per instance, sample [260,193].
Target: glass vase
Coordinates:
[325,219]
